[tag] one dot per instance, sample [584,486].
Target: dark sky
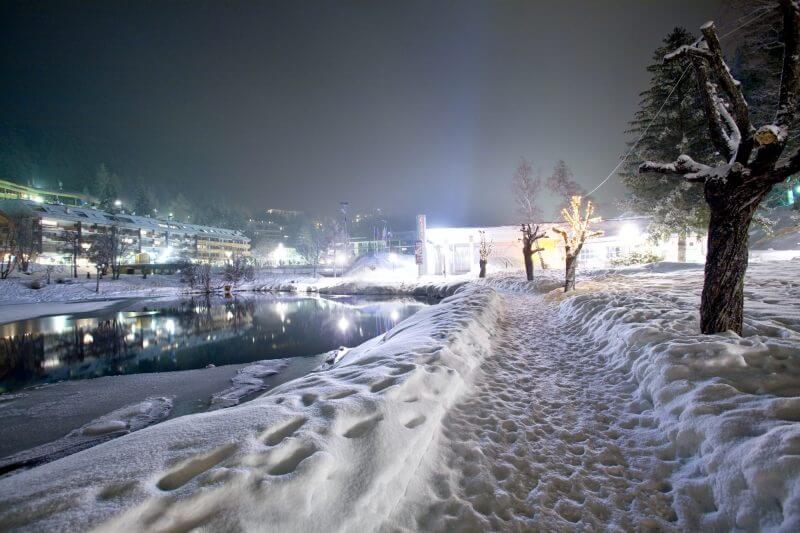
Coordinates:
[408,106]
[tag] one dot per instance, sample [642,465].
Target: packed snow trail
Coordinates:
[550,438]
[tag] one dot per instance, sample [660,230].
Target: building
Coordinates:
[149,241]
[455,250]
[15,191]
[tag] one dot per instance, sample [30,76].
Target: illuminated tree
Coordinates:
[530,235]
[754,163]
[578,219]
[484,252]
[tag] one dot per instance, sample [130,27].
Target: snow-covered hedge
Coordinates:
[730,405]
[333,450]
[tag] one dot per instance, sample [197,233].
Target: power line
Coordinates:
[674,87]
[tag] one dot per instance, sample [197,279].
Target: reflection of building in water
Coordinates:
[122,343]
[187,334]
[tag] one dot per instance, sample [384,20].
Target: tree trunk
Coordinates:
[722,302]
[97,286]
[482,264]
[569,279]
[681,248]
[526,253]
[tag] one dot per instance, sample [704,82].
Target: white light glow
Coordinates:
[394,315]
[87,338]
[629,232]
[169,325]
[343,324]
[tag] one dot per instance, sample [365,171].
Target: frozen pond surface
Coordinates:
[62,372]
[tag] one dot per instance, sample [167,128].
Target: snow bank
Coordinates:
[730,405]
[383,265]
[332,450]
[119,422]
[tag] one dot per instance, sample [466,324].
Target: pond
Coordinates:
[74,381]
[162,336]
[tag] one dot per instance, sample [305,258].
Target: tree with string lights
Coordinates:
[754,163]
[578,221]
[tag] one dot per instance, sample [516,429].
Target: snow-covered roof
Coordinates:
[88,215]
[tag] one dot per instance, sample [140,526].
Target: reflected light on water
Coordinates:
[343,324]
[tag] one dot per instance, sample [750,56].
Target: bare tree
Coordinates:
[188,273]
[562,184]
[106,251]
[314,240]
[575,236]
[238,269]
[484,252]
[754,163]
[7,262]
[530,235]
[71,240]
[100,253]
[204,277]
[526,188]
[21,240]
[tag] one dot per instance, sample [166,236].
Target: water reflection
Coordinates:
[187,334]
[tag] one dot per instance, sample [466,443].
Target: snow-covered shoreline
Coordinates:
[362,428]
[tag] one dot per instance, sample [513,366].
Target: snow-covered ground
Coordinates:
[20,301]
[507,406]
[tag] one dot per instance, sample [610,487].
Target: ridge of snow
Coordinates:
[248,380]
[729,405]
[333,450]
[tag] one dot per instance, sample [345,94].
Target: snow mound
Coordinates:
[543,281]
[729,405]
[432,289]
[382,266]
[119,422]
[333,450]
[247,380]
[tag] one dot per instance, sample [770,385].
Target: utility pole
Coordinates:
[346,237]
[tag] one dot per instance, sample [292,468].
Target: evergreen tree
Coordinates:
[674,205]
[143,202]
[105,188]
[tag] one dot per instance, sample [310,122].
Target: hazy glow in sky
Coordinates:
[413,106]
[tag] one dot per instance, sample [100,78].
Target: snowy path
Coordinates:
[549,439]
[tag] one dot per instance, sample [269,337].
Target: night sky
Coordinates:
[408,106]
